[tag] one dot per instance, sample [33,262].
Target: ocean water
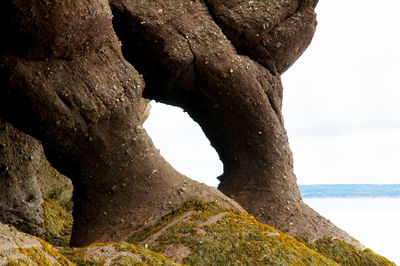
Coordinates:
[374,221]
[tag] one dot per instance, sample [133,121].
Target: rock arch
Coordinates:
[65,81]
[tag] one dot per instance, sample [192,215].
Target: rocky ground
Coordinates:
[197,233]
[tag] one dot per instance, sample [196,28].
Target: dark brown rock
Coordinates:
[189,57]
[87,111]
[65,81]
[20,196]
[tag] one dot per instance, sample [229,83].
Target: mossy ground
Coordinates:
[222,237]
[346,254]
[201,233]
[121,253]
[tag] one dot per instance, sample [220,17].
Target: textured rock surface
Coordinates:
[112,253]
[54,185]
[221,61]
[20,196]
[205,234]
[17,248]
[65,80]
[197,233]
[73,90]
[34,197]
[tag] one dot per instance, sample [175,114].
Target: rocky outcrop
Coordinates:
[65,80]
[69,86]
[20,196]
[17,248]
[197,233]
[201,233]
[34,197]
[115,253]
[221,61]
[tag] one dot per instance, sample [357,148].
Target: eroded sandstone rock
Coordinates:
[20,196]
[17,248]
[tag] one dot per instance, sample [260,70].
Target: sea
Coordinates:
[368,212]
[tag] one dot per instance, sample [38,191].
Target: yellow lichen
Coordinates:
[49,249]
[232,238]
[346,254]
[120,253]
[44,255]
[204,209]
[57,222]
[19,248]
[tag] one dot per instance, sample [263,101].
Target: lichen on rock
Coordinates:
[112,253]
[57,222]
[211,235]
[17,248]
[346,254]
[197,233]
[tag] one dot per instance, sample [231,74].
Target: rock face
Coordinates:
[70,87]
[34,197]
[221,61]
[20,196]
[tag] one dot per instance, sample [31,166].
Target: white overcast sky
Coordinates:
[341,103]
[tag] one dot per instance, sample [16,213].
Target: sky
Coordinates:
[340,103]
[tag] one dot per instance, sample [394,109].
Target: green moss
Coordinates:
[215,236]
[147,256]
[120,253]
[125,261]
[78,256]
[347,254]
[204,209]
[57,222]
[229,238]
[183,228]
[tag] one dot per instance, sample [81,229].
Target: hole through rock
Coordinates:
[183,144]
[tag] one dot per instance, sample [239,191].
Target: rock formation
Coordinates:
[20,196]
[196,233]
[66,81]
